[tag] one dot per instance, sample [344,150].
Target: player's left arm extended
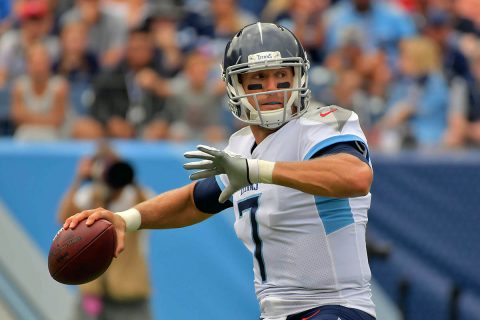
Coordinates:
[336,175]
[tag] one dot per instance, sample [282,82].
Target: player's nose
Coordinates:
[271,84]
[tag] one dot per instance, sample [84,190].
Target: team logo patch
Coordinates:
[264,56]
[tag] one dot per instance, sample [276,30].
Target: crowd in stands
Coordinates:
[149,69]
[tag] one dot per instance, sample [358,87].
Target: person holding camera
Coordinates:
[123,291]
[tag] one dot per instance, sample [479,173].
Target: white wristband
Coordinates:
[265,171]
[132,218]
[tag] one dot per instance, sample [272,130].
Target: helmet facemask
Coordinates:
[293,106]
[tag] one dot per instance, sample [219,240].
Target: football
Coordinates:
[82,254]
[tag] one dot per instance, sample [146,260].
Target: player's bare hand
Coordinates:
[96,214]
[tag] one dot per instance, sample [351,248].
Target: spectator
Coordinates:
[419,99]
[126,104]
[473,114]
[464,122]
[228,18]
[61,6]
[215,24]
[14,43]
[361,79]
[439,27]
[273,9]
[39,100]
[195,100]
[34,24]
[303,17]
[78,66]
[106,32]
[382,25]
[163,23]
[123,291]
[133,13]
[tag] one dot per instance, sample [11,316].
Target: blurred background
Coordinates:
[144,75]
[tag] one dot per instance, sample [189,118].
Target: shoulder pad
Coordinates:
[330,115]
[245,131]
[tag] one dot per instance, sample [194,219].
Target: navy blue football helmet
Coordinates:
[261,46]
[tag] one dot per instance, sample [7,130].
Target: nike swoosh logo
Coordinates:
[324,114]
[311,316]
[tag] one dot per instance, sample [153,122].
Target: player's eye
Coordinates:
[281,74]
[258,76]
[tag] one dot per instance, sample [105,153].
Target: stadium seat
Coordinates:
[469,306]
[419,218]
[417,288]
[429,292]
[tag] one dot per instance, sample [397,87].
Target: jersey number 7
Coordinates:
[251,204]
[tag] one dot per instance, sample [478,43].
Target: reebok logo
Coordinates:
[324,114]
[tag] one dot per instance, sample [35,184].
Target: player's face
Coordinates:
[268,80]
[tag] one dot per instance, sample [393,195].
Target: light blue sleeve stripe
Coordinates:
[334,213]
[332,140]
[222,186]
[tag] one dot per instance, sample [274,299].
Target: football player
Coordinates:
[298,177]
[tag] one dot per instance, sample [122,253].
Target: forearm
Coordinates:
[162,88]
[339,176]
[397,116]
[172,209]
[26,118]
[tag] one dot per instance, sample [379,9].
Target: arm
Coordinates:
[149,80]
[397,115]
[172,209]
[339,175]
[342,171]
[60,101]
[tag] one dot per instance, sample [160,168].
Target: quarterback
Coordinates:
[298,178]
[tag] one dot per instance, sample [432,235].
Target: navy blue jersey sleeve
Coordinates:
[355,148]
[205,196]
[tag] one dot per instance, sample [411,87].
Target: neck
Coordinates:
[27,38]
[260,133]
[72,59]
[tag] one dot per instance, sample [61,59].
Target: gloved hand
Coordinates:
[241,171]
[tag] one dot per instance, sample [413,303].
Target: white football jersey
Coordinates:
[308,250]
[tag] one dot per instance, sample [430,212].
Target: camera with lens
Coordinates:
[113,172]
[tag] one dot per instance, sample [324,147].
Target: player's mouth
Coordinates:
[271,105]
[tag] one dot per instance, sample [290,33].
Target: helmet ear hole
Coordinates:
[238,111]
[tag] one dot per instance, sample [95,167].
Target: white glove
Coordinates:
[241,171]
